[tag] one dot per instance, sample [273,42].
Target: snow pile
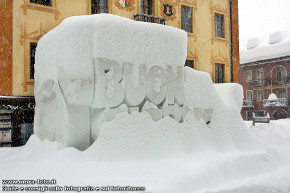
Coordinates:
[254,42]
[277,37]
[277,45]
[272,96]
[275,134]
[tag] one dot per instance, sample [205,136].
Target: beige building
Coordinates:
[211,25]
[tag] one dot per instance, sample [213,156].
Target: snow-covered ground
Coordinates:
[207,170]
[276,134]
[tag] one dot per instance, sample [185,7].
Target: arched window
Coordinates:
[279,74]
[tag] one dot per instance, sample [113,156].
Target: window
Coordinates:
[189,63]
[42,2]
[249,95]
[219,73]
[249,76]
[99,6]
[219,30]
[186,19]
[280,74]
[146,7]
[32,59]
[281,93]
[260,95]
[260,76]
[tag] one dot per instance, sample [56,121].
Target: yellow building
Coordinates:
[211,25]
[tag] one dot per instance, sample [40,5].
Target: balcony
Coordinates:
[149,18]
[270,82]
[258,83]
[279,102]
[281,81]
[248,103]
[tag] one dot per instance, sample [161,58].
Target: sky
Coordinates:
[262,17]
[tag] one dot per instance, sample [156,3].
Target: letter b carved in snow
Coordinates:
[109,91]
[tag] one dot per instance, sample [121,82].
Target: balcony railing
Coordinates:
[270,82]
[149,18]
[248,103]
[280,102]
[257,83]
[281,81]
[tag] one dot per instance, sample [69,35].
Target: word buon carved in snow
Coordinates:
[156,90]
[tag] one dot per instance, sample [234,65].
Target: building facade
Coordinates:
[211,26]
[262,78]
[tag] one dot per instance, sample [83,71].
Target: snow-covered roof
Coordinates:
[276,45]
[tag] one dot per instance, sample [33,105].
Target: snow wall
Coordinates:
[99,73]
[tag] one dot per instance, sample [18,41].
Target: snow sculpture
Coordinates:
[90,68]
